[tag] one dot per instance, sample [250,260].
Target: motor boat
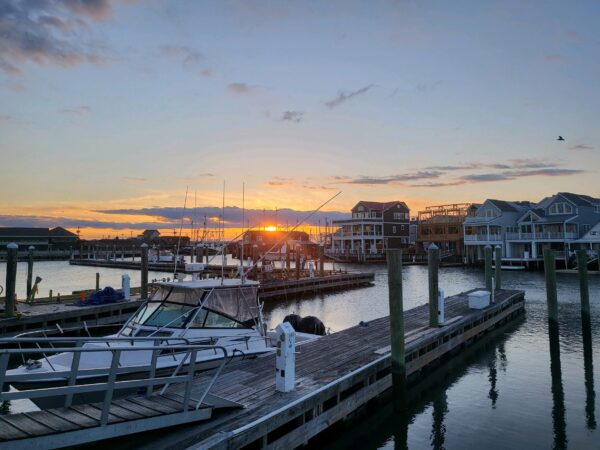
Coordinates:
[218,313]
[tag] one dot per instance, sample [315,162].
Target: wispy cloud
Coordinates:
[49,32]
[241,88]
[344,96]
[428,87]
[292,116]
[554,57]
[581,147]
[207,73]
[78,110]
[512,175]
[422,175]
[5,117]
[187,55]
[279,182]
[135,179]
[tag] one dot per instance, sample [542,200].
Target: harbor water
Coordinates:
[508,391]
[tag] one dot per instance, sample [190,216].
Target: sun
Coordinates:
[271,228]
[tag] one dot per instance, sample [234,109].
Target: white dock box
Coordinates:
[479,299]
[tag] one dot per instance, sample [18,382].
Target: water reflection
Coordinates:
[438,430]
[588,369]
[558,396]
[493,378]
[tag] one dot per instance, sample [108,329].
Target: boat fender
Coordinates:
[312,325]
[294,320]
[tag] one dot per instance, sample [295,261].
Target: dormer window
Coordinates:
[491,213]
[597,208]
[560,208]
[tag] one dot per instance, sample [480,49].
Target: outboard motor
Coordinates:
[312,325]
[294,320]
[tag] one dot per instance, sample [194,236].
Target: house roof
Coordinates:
[381,206]
[147,232]
[61,232]
[578,199]
[23,232]
[506,206]
[592,236]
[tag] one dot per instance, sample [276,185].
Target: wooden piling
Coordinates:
[30,251]
[551,297]
[144,275]
[288,263]
[488,268]
[498,255]
[584,290]
[321,261]
[297,266]
[433,261]
[11,278]
[97,281]
[394,263]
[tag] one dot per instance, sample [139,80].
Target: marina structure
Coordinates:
[374,228]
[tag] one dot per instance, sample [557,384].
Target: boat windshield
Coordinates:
[175,307]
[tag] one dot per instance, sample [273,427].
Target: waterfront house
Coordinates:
[558,222]
[44,239]
[489,225]
[443,226]
[373,228]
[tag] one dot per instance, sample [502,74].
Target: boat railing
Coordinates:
[137,377]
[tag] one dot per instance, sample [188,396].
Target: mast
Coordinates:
[223,234]
[243,238]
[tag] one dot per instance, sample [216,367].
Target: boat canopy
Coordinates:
[239,303]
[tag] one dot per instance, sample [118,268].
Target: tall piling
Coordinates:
[30,255]
[11,278]
[498,255]
[551,297]
[433,262]
[321,261]
[584,290]
[144,275]
[288,263]
[97,281]
[488,267]
[394,263]
[297,265]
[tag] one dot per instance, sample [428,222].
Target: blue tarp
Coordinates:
[106,295]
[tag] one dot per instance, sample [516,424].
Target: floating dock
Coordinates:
[44,314]
[335,376]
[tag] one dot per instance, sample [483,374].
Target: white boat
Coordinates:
[214,312]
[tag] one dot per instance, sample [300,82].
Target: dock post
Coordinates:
[288,263]
[30,251]
[144,276]
[12,250]
[498,273]
[321,261]
[71,253]
[551,297]
[297,266]
[394,263]
[584,290]
[206,254]
[433,261]
[488,268]
[97,281]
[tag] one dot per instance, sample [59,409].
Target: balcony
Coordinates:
[541,236]
[483,238]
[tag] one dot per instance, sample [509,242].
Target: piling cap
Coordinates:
[432,246]
[12,245]
[31,248]
[144,245]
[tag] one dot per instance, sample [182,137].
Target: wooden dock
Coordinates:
[335,376]
[45,313]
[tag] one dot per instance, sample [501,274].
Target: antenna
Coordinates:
[180,231]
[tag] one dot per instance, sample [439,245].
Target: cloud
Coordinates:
[78,110]
[554,57]
[187,55]
[344,96]
[207,73]
[279,182]
[512,175]
[292,116]
[49,32]
[241,88]
[233,215]
[5,118]
[428,87]
[135,179]
[436,185]
[421,175]
[581,147]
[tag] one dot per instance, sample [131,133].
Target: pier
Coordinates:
[335,376]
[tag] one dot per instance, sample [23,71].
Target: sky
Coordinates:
[111,110]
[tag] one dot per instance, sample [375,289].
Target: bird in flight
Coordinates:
[560,138]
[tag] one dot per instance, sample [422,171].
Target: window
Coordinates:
[560,208]
[491,213]
[597,208]
[394,229]
[586,227]
[402,227]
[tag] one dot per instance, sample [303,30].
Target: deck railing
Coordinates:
[138,376]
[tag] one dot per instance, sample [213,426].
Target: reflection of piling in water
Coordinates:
[493,378]
[588,368]
[401,430]
[438,429]
[558,396]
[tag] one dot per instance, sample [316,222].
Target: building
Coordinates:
[523,230]
[374,228]
[443,226]
[150,236]
[260,242]
[43,239]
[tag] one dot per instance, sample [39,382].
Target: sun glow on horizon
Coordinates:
[271,228]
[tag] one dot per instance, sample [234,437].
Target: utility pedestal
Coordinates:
[126,286]
[285,360]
